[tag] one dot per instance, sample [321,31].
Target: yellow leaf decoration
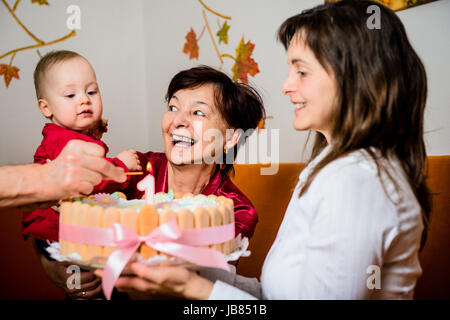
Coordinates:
[40,2]
[191,47]
[222,34]
[9,72]
[244,64]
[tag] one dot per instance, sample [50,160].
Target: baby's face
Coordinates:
[71,95]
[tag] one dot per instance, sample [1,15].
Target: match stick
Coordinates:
[138,173]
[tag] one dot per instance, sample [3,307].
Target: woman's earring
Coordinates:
[225,150]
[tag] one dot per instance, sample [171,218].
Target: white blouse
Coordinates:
[347,237]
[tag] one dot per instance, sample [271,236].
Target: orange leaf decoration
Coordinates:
[191,47]
[244,63]
[262,123]
[9,72]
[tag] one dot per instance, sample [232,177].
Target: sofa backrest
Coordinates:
[270,194]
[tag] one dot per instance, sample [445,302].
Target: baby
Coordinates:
[68,95]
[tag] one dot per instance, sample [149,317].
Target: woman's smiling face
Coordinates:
[193,129]
[311,87]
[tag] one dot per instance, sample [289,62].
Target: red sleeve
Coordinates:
[245,214]
[245,218]
[42,224]
[51,147]
[110,186]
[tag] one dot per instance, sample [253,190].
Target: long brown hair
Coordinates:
[381,88]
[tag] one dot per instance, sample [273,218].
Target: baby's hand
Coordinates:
[131,159]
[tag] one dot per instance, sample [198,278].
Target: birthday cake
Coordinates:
[106,210]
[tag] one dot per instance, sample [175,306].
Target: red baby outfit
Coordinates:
[43,224]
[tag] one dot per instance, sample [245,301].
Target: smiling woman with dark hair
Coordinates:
[205,109]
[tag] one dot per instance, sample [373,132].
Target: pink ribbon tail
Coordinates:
[128,242]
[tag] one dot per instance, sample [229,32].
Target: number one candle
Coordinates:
[148,185]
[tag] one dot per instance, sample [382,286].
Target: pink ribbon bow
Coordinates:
[166,238]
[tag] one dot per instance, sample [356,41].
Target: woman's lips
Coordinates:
[299,107]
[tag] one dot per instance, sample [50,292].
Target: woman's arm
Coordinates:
[182,282]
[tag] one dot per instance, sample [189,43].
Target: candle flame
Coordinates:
[149,166]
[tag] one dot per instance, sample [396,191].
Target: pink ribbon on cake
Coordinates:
[167,238]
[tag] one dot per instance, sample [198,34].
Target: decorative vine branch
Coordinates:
[8,71]
[212,36]
[15,5]
[226,55]
[71,34]
[212,11]
[20,23]
[12,58]
[201,34]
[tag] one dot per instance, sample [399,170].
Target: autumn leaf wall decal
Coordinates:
[222,34]
[9,71]
[191,47]
[244,64]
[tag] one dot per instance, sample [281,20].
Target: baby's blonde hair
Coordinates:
[46,63]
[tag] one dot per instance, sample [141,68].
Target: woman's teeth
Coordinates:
[300,105]
[177,139]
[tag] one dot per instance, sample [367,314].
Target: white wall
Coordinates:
[428,28]
[111,38]
[136,48]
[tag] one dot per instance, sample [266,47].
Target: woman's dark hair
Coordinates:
[381,87]
[239,104]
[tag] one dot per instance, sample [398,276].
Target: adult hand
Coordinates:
[173,281]
[87,286]
[90,285]
[79,167]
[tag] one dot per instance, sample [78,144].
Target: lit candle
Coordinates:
[148,185]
